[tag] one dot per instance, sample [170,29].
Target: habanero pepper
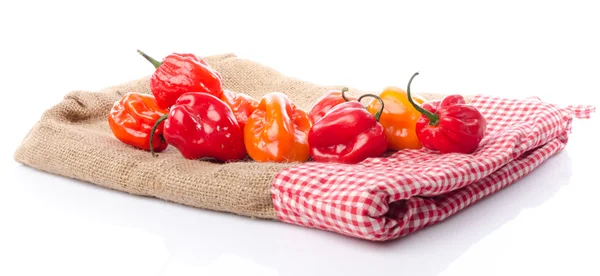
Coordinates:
[131,120]
[241,104]
[200,125]
[398,118]
[348,133]
[450,125]
[328,101]
[181,73]
[277,131]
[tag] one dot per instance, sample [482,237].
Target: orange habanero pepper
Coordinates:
[399,118]
[241,104]
[131,120]
[277,131]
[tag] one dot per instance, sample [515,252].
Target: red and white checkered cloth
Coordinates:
[387,198]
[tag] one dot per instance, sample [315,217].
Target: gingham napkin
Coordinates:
[387,198]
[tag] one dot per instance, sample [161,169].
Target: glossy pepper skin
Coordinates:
[277,131]
[348,133]
[200,125]
[241,104]
[449,125]
[399,118]
[131,120]
[181,73]
[328,101]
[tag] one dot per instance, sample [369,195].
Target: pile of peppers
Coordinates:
[190,110]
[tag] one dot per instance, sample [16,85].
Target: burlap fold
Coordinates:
[72,139]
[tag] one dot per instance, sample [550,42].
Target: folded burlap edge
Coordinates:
[72,139]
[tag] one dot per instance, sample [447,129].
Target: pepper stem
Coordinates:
[378,114]
[344,90]
[433,118]
[154,62]
[162,118]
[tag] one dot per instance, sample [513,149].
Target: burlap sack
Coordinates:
[72,139]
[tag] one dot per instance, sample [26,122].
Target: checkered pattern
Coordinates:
[387,198]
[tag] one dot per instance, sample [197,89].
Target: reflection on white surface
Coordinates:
[226,264]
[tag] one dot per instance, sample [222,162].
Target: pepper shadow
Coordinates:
[194,236]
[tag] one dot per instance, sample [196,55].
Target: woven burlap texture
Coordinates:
[72,139]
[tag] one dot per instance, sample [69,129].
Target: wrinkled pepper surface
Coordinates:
[348,133]
[181,73]
[131,120]
[277,131]
[449,125]
[328,101]
[200,125]
[241,104]
[399,118]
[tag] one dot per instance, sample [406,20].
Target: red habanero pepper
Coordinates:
[181,73]
[131,120]
[328,101]
[449,125]
[348,133]
[200,125]
[241,104]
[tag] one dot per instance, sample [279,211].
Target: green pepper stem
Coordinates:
[433,118]
[344,90]
[162,118]
[378,114]
[154,62]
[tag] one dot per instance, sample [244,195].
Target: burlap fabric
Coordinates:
[72,139]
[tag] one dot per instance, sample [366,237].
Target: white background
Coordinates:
[544,224]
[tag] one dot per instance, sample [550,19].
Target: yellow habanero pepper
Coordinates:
[399,118]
